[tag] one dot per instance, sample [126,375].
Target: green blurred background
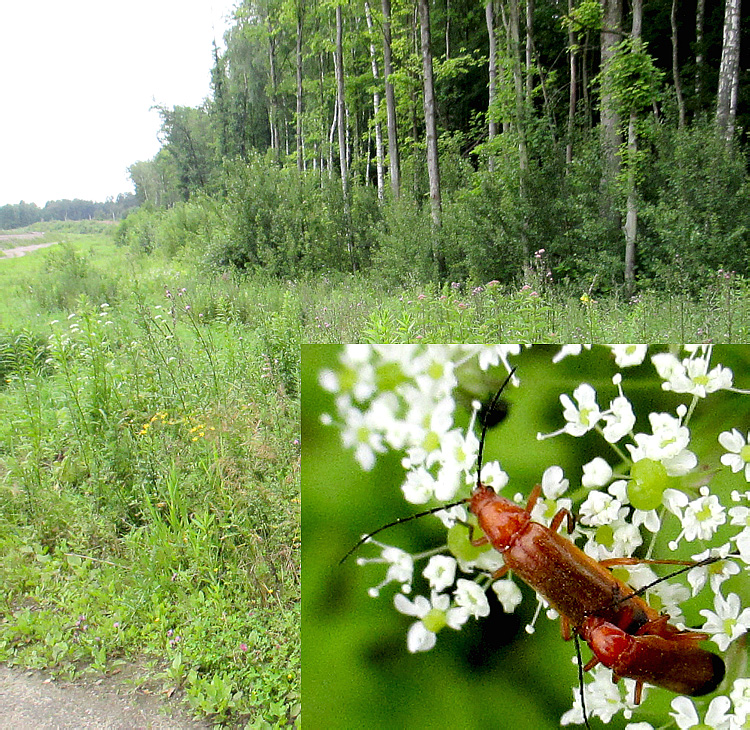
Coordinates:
[356,670]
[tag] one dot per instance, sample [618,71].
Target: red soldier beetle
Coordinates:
[674,662]
[623,631]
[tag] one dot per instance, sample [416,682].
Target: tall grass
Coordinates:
[149,486]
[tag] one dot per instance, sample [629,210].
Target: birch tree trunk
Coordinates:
[376,106]
[273,111]
[338,62]
[726,100]
[572,90]
[515,42]
[489,13]
[300,141]
[676,67]
[390,103]
[700,12]
[609,118]
[529,49]
[631,217]
[433,165]
[447,30]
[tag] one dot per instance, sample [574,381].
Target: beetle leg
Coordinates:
[500,572]
[591,663]
[638,692]
[533,497]
[477,541]
[559,517]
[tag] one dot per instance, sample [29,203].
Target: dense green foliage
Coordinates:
[252,177]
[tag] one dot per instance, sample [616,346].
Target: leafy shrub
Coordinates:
[67,275]
[697,212]
[21,351]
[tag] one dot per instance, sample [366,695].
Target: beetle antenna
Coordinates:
[485,424]
[580,680]
[399,521]
[689,565]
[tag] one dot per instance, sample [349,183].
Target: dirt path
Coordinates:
[32,701]
[13,253]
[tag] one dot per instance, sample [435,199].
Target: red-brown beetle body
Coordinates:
[676,664]
[622,630]
[573,583]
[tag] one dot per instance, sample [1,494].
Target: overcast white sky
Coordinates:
[77,79]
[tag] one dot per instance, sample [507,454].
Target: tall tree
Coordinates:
[726,99]
[489,14]
[609,117]
[700,12]
[430,120]
[676,67]
[188,136]
[390,103]
[573,87]
[341,125]
[631,216]
[274,108]
[430,113]
[300,13]
[376,104]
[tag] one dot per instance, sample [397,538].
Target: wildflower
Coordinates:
[686,716]
[726,623]
[471,598]
[604,699]
[701,518]
[628,355]
[362,434]
[619,419]
[600,508]
[508,593]
[566,350]
[587,414]
[433,614]
[740,696]
[667,445]
[715,573]
[596,473]
[400,567]
[440,572]
[691,375]
[738,457]
[580,418]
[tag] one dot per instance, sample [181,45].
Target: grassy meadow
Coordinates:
[150,448]
[149,483]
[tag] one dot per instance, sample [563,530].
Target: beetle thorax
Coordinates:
[501,520]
